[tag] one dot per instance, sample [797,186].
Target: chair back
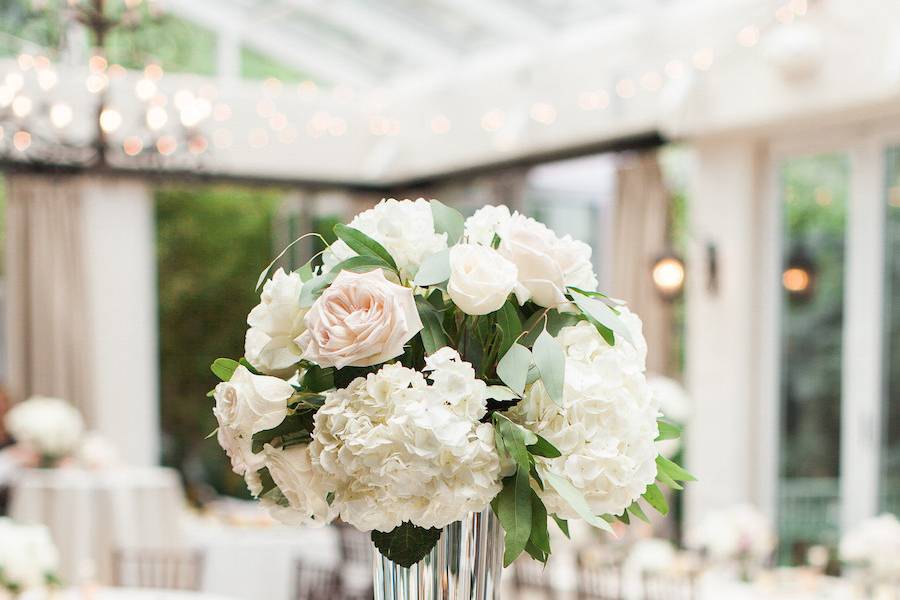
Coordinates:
[599,580]
[160,568]
[316,582]
[531,578]
[669,586]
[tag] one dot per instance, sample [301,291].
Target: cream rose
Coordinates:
[304,485]
[274,325]
[547,264]
[480,279]
[247,404]
[362,319]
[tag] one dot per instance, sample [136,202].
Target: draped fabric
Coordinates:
[47,316]
[641,230]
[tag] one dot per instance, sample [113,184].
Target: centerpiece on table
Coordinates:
[872,550]
[451,386]
[28,559]
[738,538]
[49,428]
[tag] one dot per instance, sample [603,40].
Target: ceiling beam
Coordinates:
[372,24]
[501,17]
[293,51]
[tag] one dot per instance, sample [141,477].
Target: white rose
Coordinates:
[304,485]
[274,325]
[480,279]
[362,319]
[481,226]
[547,264]
[248,404]
[404,227]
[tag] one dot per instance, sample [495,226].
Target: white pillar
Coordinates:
[724,333]
[120,258]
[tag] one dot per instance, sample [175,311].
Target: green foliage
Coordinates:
[434,269]
[224,368]
[447,220]
[551,363]
[513,367]
[258,66]
[363,245]
[433,334]
[407,544]
[208,238]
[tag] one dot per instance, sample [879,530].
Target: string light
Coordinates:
[197,145]
[14,81]
[132,145]
[145,89]
[273,86]
[493,120]
[307,88]
[116,71]
[110,120]
[47,79]
[97,63]
[625,88]
[440,124]
[153,72]
[26,61]
[166,145]
[543,113]
[6,95]
[156,117]
[21,106]
[96,82]
[60,115]
[593,100]
[22,140]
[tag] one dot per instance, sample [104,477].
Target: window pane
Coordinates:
[814,193]
[890,459]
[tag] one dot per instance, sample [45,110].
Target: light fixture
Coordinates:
[799,275]
[668,275]
[21,106]
[110,119]
[60,115]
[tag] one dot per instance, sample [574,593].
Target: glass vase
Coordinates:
[465,564]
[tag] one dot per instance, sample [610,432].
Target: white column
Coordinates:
[119,252]
[723,438]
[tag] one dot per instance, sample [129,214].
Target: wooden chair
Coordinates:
[529,577]
[356,563]
[599,580]
[669,586]
[315,582]
[162,568]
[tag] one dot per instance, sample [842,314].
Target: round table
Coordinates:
[91,514]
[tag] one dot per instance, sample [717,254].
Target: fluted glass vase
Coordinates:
[465,564]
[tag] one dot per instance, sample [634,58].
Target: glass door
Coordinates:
[813,198]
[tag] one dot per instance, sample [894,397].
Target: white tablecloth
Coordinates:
[251,563]
[92,513]
[121,594]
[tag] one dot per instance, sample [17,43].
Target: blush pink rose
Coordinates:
[362,319]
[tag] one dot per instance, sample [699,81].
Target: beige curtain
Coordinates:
[46,307]
[641,219]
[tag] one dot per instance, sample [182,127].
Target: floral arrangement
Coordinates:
[740,536]
[433,366]
[49,427]
[28,558]
[874,547]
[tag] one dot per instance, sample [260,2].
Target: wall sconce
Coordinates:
[668,275]
[799,275]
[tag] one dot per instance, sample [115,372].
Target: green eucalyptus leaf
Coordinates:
[224,368]
[316,379]
[656,499]
[407,544]
[599,311]
[447,220]
[305,272]
[666,480]
[544,448]
[562,524]
[513,508]
[500,392]
[576,500]
[434,269]
[363,245]
[539,537]
[637,511]
[433,335]
[551,362]
[265,272]
[513,367]
[509,323]
[668,431]
[672,469]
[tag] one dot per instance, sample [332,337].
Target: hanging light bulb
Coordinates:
[156,117]
[47,79]
[22,140]
[799,275]
[21,106]
[145,89]
[668,275]
[60,115]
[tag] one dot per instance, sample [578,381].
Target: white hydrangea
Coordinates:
[606,426]
[404,227]
[874,545]
[400,450]
[737,533]
[304,485]
[49,426]
[482,225]
[275,323]
[27,555]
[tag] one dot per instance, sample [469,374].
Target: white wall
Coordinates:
[119,251]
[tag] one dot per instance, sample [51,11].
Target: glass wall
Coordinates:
[890,458]
[814,197]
